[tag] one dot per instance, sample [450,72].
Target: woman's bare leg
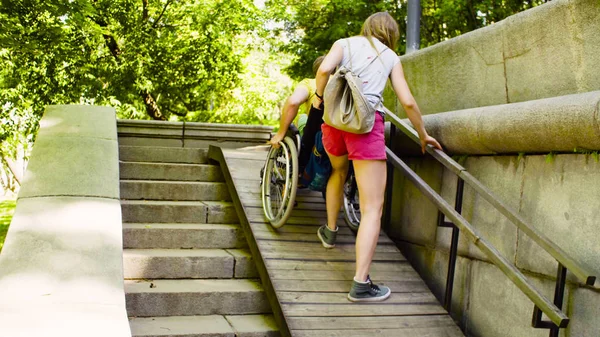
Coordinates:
[335,188]
[371,178]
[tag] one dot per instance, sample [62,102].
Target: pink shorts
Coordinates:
[366,146]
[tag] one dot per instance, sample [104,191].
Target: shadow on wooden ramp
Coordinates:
[307,284]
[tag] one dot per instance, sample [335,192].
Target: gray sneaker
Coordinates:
[368,292]
[327,236]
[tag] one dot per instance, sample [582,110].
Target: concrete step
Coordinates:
[185,236]
[163,154]
[173,190]
[187,263]
[205,326]
[169,171]
[195,297]
[147,211]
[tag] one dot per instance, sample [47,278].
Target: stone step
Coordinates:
[205,326]
[195,297]
[169,171]
[163,154]
[185,236]
[173,190]
[187,263]
[149,211]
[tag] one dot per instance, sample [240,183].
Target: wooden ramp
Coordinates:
[307,284]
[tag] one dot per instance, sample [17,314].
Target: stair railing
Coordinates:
[542,304]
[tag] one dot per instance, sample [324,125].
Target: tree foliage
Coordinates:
[196,60]
[311,26]
[159,59]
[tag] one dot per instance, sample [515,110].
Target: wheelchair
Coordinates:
[279,181]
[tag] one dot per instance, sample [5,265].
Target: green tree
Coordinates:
[312,26]
[159,59]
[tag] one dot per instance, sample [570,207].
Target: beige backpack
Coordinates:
[346,107]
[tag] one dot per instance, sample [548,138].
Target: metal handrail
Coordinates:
[538,237]
[543,303]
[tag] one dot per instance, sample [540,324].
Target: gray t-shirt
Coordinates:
[374,74]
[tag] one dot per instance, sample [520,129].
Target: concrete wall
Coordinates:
[61,268]
[558,195]
[544,59]
[548,51]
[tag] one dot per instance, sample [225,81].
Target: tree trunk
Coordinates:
[11,167]
[152,108]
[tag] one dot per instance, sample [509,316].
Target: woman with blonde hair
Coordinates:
[378,38]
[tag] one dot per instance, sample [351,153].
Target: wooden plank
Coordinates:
[316,247]
[399,332]
[336,299]
[341,275]
[296,213]
[399,267]
[299,237]
[247,186]
[288,229]
[383,322]
[254,194]
[332,255]
[351,309]
[318,286]
[256,202]
[296,220]
[310,237]
[311,227]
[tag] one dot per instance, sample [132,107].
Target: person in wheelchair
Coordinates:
[308,126]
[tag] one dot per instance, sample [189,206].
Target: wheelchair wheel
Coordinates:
[280,182]
[351,203]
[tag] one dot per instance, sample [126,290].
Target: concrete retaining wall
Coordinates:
[548,51]
[61,268]
[557,124]
[544,62]
[558,195]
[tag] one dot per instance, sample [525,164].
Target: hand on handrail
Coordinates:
[431,141]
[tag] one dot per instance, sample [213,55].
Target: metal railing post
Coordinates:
[559,294]
[460,184]
[389,187]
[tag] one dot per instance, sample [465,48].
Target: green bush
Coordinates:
[7,207]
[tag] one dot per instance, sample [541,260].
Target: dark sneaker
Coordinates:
[368,292]
[327,236]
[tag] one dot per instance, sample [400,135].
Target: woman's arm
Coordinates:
[410,106]
[330,62]
[289,112]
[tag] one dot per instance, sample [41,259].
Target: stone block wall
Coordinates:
[556,194]
[550,54]
[548,51]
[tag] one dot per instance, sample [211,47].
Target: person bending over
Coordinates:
[367,151]
[308,125]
